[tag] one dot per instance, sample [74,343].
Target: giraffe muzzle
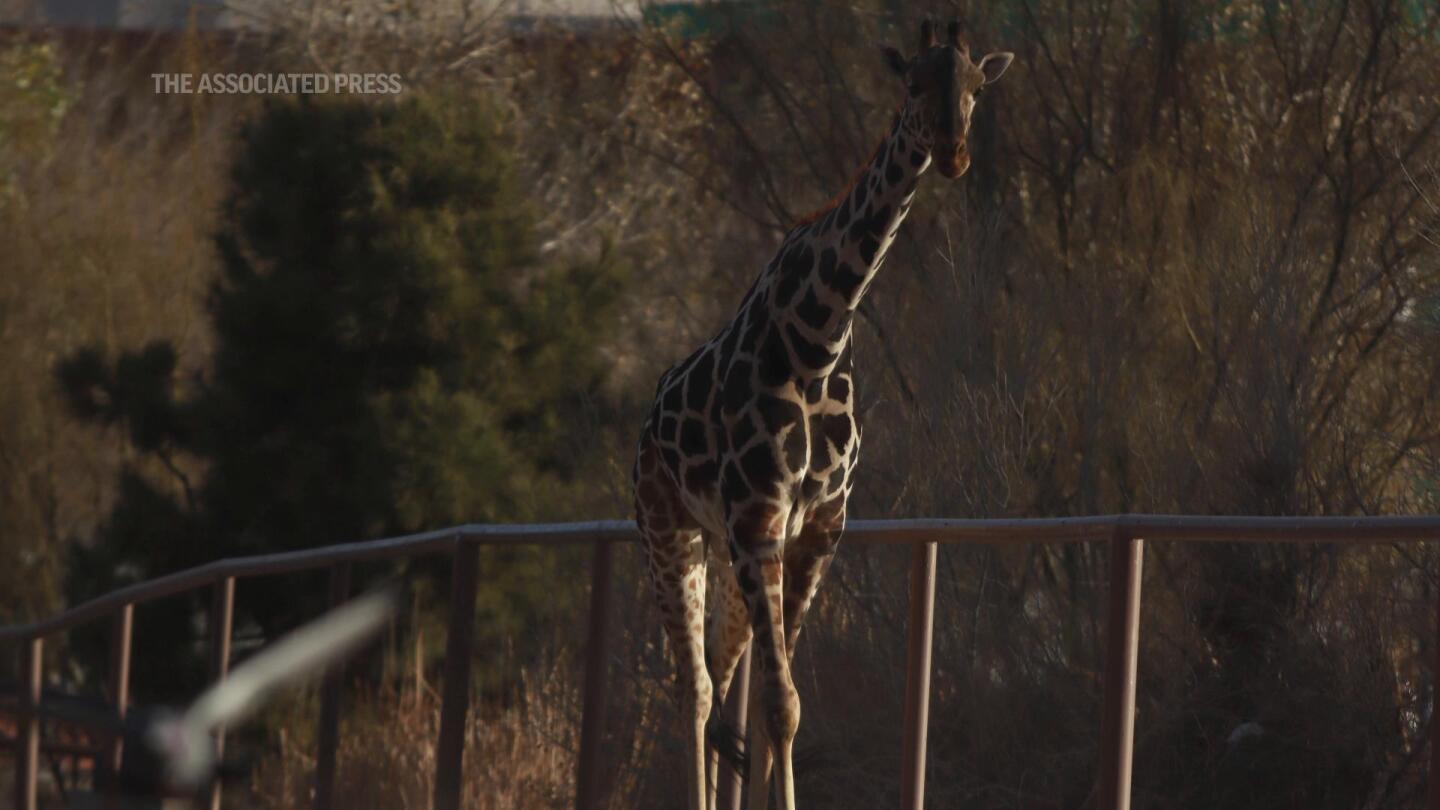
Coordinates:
[952,160]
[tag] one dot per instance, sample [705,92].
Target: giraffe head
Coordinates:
[942,85]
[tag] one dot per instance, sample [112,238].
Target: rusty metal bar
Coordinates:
[1415,528]
[739,714]
[75,751]
[120,634]
[27,741]
[439,541]
[222,622]
[917,674]
[327,739]
[592,719]
[455,698]
[1122,644]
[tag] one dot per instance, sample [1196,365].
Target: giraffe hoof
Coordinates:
[728,744]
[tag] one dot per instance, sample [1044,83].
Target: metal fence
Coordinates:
[1125,534]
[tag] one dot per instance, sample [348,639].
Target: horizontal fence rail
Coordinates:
[1125,535]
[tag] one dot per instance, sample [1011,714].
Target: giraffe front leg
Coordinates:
[807,558]
[760,573]
[760,760]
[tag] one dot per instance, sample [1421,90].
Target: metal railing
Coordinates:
[1125,535]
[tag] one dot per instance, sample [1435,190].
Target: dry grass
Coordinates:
[106,223]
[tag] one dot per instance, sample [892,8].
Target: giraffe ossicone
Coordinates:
[748,453]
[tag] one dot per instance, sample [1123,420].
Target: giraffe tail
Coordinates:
[727,743]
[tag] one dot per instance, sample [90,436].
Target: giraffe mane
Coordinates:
[835,201]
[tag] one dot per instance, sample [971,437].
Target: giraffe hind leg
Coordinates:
[679,582]
[676,560]
[728,638]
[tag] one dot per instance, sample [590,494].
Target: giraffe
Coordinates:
[748,453]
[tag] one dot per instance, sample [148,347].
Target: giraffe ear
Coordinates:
[895,60]
[994,64]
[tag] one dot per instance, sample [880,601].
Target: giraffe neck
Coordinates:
[826,265]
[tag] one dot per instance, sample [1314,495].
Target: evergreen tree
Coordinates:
[391,355]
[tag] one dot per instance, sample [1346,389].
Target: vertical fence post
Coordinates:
[917,674]
[455,696]
[592,719]
[222,620]
[739,709]
[27,741]
[327,739]
[1122,643]
[1435,715]
[120,634]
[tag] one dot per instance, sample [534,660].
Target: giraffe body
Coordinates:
[748,453]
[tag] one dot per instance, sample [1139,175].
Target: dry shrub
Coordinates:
[520,751]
